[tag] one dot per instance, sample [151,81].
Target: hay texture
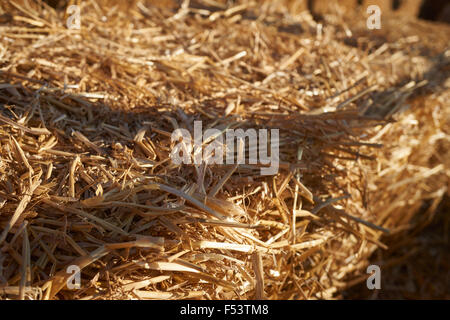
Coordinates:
[86,118]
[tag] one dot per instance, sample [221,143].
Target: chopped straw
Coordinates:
[86,118]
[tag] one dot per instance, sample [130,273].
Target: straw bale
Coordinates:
[86,118]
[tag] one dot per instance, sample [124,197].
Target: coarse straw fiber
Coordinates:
[86,117]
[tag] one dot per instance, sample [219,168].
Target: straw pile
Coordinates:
[85,125]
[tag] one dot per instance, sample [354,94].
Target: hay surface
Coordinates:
[85,126]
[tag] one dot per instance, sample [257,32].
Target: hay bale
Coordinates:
[85,138]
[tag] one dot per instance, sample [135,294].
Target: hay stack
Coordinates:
[85,127]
